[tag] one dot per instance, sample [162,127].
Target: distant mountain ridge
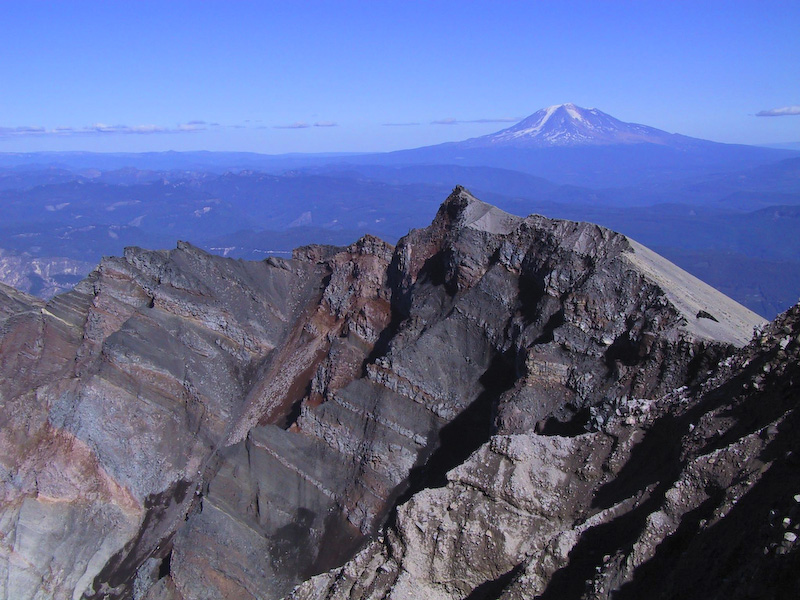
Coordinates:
[571,145]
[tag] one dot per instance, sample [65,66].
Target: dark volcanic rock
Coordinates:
[188,426]
[694,494]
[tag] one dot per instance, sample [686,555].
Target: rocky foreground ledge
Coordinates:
[497,407]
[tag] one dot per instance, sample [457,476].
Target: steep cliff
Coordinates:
[694,494]
[188,426]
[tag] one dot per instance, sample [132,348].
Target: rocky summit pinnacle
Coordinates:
[496,407]
[571,125]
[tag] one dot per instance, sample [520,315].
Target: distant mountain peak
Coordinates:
[573,110]
[571,125]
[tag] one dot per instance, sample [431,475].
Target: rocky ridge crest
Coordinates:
[199,427]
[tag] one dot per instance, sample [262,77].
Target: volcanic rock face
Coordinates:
[694,494]
[185,426]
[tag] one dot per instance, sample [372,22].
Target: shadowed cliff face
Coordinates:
[188,426]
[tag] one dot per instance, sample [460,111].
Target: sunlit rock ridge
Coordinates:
[497,407]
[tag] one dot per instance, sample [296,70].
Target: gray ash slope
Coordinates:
[495,407]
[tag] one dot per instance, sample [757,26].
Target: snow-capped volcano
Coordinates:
[567,144]
[570,125]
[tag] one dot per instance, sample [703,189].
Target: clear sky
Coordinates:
[325,76]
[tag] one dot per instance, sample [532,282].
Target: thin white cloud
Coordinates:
[399,124]
[305,125]
[452,121]
[99,129]
[497,120]
[780,112]
[24,130]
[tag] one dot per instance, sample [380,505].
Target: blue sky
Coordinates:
[329,76]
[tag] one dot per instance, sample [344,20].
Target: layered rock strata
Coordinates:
[186,426]
[694,494]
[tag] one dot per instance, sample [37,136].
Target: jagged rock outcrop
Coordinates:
[185,426]
[695,494]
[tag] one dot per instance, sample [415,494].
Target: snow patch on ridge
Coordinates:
[573,112]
